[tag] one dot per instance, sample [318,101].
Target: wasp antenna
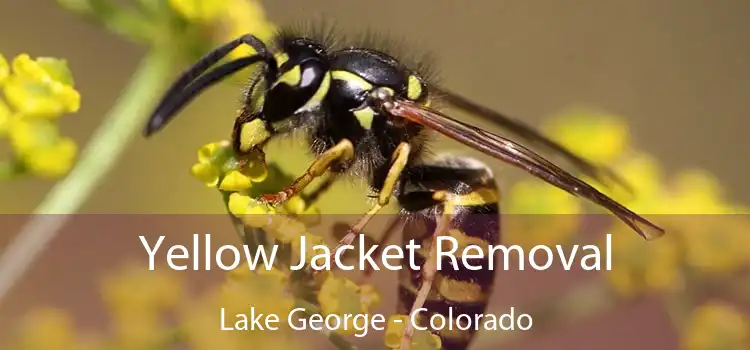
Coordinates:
[170,107]
[191,83]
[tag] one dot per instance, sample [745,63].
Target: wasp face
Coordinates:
[302,82]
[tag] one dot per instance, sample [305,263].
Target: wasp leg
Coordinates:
[376,254]
[314,195]
[429,269]
[398,163]
[341,152]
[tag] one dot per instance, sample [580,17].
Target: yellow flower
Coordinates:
[207,152]
[697,192]
[640,267]
[48,329]
[422,340]
[295,205]
[41,148]
[264,291]
[717,326]
[287,229]
[537,197]
[216,160]
[235,181]
[242,17]
[41,88]
[4,69]
[597,136]
[310,241]
[644,175]
[339,296]
[54,161]
[206,173]
[134,289]
[540,214]
[6,117]
[715,243]
[199,10]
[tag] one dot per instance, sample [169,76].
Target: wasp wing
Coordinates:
[530,134]
[519,156]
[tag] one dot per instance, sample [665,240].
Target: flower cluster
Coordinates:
[241,181]
[717,325]
[703,239]
[37,92]
[151,310]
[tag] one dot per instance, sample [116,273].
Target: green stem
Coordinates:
[121,124]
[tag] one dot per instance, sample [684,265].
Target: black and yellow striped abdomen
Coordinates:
[472,197]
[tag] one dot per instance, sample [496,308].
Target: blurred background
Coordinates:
[675,72]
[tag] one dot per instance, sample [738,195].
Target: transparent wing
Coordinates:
[519,156]
[534,137]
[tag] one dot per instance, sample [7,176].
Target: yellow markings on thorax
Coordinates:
[413,88]
[252,134]
[351,78]
[291,77]
[365,116]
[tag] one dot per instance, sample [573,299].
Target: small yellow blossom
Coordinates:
[252,213]
[41,148]
[540,214]
[697,192]
[341,296]
[36,92]
[216,160]
[4,69]
[310,241]
[206,173]
[48,329]
[6,117]
[717,326]
[295,205]
[235,181]
[207,152]
[715,243]
[262,290]
[280,277]
[597,136]
[199,10]
[41,88]
[134,287]
[287,229]
[54,161]
[421,340]
[256,168]
[239,204]
[244,17]
[644,175]
[639,266]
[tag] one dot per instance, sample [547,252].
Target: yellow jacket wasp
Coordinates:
[367,113]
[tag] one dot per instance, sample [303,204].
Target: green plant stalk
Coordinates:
[100,156]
